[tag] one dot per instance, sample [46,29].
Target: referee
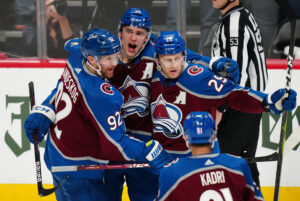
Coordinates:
[238,37]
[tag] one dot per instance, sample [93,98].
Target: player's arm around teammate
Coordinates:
[170,53]
[133,76]
[88,127]
[178,88]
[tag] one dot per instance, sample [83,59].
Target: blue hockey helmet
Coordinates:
[136,17]
[199,128]
[169,42]
[99,42]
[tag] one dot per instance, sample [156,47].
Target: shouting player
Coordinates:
[206,175]
[133,76]
[88,127]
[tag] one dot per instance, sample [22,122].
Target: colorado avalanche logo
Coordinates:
[136,97]
[166,118]
[107,88]
[195,70]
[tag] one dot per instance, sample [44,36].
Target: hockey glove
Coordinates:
[281,100]
[40,118]
[156,155]
[225,67]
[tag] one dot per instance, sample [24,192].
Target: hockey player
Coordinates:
[88,127]
[132,76]
[179,88]
[206,175]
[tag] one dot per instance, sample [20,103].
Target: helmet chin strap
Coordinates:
[213,141]
[98,71]
[158,67]
[228,2]
[212,145]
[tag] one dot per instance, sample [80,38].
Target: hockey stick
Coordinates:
[271,157]
[292,18]
[71,168]
[41,190]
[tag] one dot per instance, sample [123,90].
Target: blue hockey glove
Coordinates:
[225,67]
[40,118]
[156,155]
[281,100]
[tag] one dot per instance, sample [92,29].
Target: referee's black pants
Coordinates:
[238,135]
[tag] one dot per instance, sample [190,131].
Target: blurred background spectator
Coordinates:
[267,15]
[24,12]
[171,14]
[107,14]
[7,14]
[208,17]
[201,21]
[275,28]
[58,30]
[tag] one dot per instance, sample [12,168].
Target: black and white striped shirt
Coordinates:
[238,37]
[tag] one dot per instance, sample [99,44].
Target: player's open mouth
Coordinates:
[132,47]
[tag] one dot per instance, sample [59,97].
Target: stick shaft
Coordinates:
[72,168]
[36,142]
[41,190]
[97,167]
[284,113]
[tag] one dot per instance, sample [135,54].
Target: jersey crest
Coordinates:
[166,118]
[195,70]
[136,99]
[107,88]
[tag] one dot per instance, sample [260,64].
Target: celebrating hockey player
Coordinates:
[133,76]
[179,88]
[206,175]
[88,127]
